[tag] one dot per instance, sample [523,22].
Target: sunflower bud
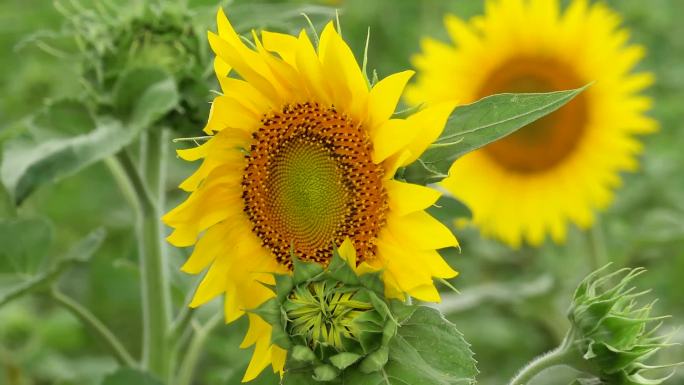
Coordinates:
[116,43]
[330,319]
[611,332]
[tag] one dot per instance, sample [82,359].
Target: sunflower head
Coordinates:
[301,160]
[331,318]
[611,330]
[560,168]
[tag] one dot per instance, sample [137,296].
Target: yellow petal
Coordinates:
[221,69]
[427,293]
[278,358]
[260,358]
[282,44]
[309,66]
[258,330]
[227,112]
[348,252]
[429,124]
[405,198]
[249,65]
[421,230]
[212,284]
[342,71]
[390,138]
[383,97]
[207,249]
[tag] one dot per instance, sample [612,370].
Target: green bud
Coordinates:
[303,354]
[375,361]
[330,320]
[325,373]
[611,332]
[112,41]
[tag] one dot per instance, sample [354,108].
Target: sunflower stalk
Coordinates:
[153,261]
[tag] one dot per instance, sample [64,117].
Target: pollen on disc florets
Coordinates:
[310,182]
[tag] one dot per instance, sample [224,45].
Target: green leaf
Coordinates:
[125,376]
[325,372]
[269,311]
[27,166]
[304,271]
[7,208]
[340,270]
[143,95]
[23,255]
[344,359]
[428,350]
[60,119]
[475,125]
[25,242]
[447,209]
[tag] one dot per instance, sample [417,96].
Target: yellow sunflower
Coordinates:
[564,166]
[301,158]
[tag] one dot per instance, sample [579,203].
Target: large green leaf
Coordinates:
[475,125]
[126,376]
[61,118]
[27,166]
[427,350]
[23,256]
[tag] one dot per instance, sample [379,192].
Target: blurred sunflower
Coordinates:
[301,157]
[567,164]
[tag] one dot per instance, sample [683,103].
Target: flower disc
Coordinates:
[310,182]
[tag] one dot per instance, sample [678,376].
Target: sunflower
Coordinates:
[566,165]
[301,157]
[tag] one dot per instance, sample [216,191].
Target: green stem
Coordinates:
[559,356]
[153,262]
[99,328]
[192,356]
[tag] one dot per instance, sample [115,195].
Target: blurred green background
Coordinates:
[513,303]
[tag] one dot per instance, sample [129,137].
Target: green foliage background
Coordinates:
[513,303]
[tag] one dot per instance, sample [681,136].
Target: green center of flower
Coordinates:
[323,316]
[310,182]
[309,199]
[548,141]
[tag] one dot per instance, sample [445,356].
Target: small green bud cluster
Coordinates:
[612,332]
[330,319]
[114,40]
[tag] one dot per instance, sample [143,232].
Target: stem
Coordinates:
[153,263]
[187,368]
[99,328]
[559,356]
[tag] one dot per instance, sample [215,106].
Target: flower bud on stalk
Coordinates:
[610,337]
[330,319]
[612,332]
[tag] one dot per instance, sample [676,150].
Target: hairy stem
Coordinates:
[94,324]
[559,356]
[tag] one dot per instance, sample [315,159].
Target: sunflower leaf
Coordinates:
[29,165]
[25,267]
[475,125]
